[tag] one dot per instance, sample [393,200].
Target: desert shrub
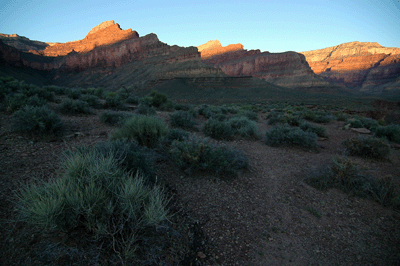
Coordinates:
[244,127]
[42,92]
[114,117]
[15,101]
[92,100]
[249,114]
[341,116]
[344,174]
[35,100]
[69,106]
[289,136]
[95,195]
[209,111]
[99,92]
[114,102]
[176,134]
[182,107]
[146,130]
[37,121]
[363,122]
[132,99]
[74,94]
[319,130]
[56,89]
[317,116]
[283,118]
[367,147]
[200,155]
[391,132]
[182,119]
[217,129]
[129,155]
[158,99]
[144,109]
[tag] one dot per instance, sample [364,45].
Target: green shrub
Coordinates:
[182,107]
[343,173]
[74,94]
[249,114]
[320,131]
[37,121]
[176,134]
[15,101]
[288,136]
[200,154]
[158,99]
[132,99]
[114,117]
[92,100]
[144,109]
[367,147]
[95,195]
[182,119]
[35,100]
[391,132]
[99,92]
[284,118]
[56,89]
[318,116]
[242,126]
[114,102]
[363,122]
[69,106]
[43,93]
[341,116]
[217,129]
[146,130]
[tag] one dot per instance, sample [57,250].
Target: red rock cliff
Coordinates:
[356,64]
[288,69]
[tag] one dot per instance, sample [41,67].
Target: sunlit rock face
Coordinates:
[288,69]
[365,66]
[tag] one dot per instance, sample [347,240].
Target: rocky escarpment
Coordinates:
[364,66]
[288,69]
[131,61]
[22,43]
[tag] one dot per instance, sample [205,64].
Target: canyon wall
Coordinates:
[288,69]
[363,66]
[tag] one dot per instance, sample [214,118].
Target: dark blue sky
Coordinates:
[274,26]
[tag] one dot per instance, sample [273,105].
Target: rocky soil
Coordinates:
[267,215]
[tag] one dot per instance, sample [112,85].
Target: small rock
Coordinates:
[201,255]
[322,139]
[361,130]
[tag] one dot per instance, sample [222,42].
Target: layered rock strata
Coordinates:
[288,69]
[365,66]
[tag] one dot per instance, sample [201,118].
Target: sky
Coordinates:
[274,26]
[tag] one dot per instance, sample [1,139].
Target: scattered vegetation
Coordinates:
[344,174]
[37,121]
[367,147]
[391,132]
[182,119]
[114,117]
[201,155]
[146,130]
[218,130]
[290,136]
[72,107]
[319,130]
[242,126]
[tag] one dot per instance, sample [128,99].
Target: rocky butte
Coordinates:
[289,69]
[363,66]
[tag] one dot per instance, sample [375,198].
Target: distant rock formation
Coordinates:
[112,57]
[22,43]
[288,69]
[365,66]
[209,45]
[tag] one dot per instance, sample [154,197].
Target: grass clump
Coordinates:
[200,155]
[367,147]
[114,117]
[290,136]
[69,106]
[146,130]
[319,130]
[182,119]
[218,130]
[176,134]
[244,127]
[391,132]
[96,196]
[37,121]
[344,174]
